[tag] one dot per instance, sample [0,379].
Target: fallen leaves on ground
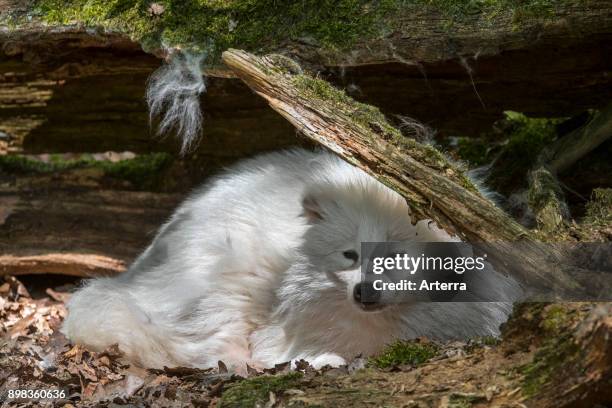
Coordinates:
[35,355]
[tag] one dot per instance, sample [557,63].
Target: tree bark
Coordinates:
[546,197]
[546,200]
[81,265]
[556,65]
[572,147]
[433,187]
[73,228]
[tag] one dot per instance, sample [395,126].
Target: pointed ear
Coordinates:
[312,209]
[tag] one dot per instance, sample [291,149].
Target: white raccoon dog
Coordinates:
[259,267]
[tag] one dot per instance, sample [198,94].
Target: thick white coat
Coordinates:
[250,269]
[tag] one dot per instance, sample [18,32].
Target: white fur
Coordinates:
[173,94]
[250,270]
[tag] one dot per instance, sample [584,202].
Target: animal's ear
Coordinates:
[312,209]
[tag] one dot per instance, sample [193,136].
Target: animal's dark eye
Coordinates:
[352,255]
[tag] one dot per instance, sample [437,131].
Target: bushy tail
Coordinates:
[101,314]
[173,96]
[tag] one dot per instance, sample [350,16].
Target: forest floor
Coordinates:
[542,360]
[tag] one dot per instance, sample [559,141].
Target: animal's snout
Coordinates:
[365,294]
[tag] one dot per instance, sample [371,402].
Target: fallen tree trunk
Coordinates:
[546,200]
[78,79]
[572,147]
[433,187]
[546,197]
[76,227]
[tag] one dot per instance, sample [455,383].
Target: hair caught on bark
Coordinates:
[173,96]
[478,176]
[413,128]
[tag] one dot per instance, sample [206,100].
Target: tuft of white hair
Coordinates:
[418,131]
[478,177]
[173,96]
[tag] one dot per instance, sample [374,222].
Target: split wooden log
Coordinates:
[74,78]
[76,227]
[546,198]
[433,187]
[566,151]
[81,265]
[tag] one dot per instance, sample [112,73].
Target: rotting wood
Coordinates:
[554,65]
[546,198]
[76,227]
[416,35]
[433,187]
[564,152]
[81,265]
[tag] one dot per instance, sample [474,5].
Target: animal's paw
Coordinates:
[329,359]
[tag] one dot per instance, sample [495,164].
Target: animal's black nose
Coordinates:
[365,293]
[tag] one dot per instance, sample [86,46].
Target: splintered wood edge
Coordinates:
[71,264]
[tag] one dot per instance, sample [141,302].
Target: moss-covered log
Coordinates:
[335,33]
[546,197]
[433,187]
[408,58]
[572,147]
[546,201]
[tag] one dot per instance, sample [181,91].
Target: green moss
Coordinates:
[365,115]
[519,10]
[22,164]
[546,201]
[526,139]
[260,25]
[256,390]
[321,89]
[559,349]
[404,352]
[480,342]
[529,135]
[547,362]
[555,318]
[490,341]
[463,400]
[599,208]
[474,151]
[141,171]
[249,24]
